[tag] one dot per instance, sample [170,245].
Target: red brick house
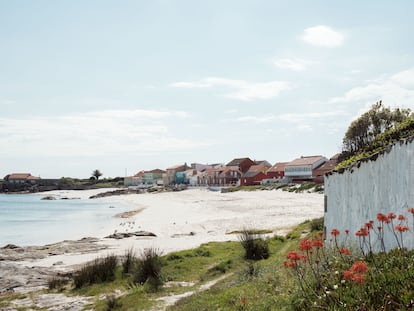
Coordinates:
[242,163]
[277,171]
[252,178]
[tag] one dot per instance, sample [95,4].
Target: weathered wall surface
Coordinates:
[386,184]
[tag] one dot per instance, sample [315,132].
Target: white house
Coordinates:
[303,166]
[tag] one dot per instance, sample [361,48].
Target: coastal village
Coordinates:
[237,172]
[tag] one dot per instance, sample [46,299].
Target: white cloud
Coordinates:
[393,90]
[125,132]
[323,36]
[295,64]
[244,90]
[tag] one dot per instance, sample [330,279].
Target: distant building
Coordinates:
[302,168]
[243,164]
[252,178]
[134,180]
[327,167]
[21,178]
[277,171]
[170,176]
[153,177]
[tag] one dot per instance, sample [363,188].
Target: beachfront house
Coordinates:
[277,171]
[230,176]
[153,177]
[243,164]
[19,182]
[382,183]
[252,178]
[301,169]
[171,177]
[135,180]
[325,168]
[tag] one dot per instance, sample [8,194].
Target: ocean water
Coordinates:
[25,219]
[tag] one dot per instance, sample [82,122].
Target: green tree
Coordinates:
[96,173]
[369,126]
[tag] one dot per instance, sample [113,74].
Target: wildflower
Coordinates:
[383,218]
[369,226]
[305,245]
[391,216]
[359,278]
[402,218]
[362,232]
[359,267]
[411,210]
[290,264]
[243,300]
[348,275]
[345,251]
[317,243]
[293,256]
[335,232]
[347,232]
[335,286]
[401,228]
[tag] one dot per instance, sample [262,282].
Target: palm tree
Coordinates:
[96,173]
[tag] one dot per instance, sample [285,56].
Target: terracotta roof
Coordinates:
[157,170]
[278,167]
[328,166]
[262,162]
[139,174]
[237,162]
[258,168]
[21,176]
[305,160]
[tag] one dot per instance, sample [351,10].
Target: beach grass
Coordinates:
[235,282]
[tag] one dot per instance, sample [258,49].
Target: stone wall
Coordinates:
[383,183]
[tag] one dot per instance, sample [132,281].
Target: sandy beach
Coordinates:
[180,220]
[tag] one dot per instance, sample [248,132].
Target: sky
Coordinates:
[123,86]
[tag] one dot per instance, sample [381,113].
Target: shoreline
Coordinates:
[179,220]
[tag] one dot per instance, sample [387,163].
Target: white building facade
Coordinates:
[382,184]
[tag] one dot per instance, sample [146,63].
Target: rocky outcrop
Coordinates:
[123,235]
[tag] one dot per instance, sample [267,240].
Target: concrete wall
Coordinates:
[382,184]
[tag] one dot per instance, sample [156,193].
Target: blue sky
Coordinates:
[123,86]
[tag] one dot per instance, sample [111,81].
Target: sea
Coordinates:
[26,219]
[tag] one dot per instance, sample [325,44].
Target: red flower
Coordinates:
[401,228]
[289,264]
[391,216]
[345,251]
[293,255]
[401,217]
[305,245]
[348,275]
[347,232]
[369,225]
[335,232]
[383,218]
[243,300]
[411,210]
[317,243]
[359,278]
[359,267]
[362,232]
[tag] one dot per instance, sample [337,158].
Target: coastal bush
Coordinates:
[112,303]
[255,247]
[128,261]
[336,276]
[222,267]
[317,224]
[57,282]
[147,269]
[98,271]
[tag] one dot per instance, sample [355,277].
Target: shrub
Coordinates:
[128,261]
[256,248]
[98,271]
[57,282]
[148,268]
[317,224]
[222,267]
[112,303]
